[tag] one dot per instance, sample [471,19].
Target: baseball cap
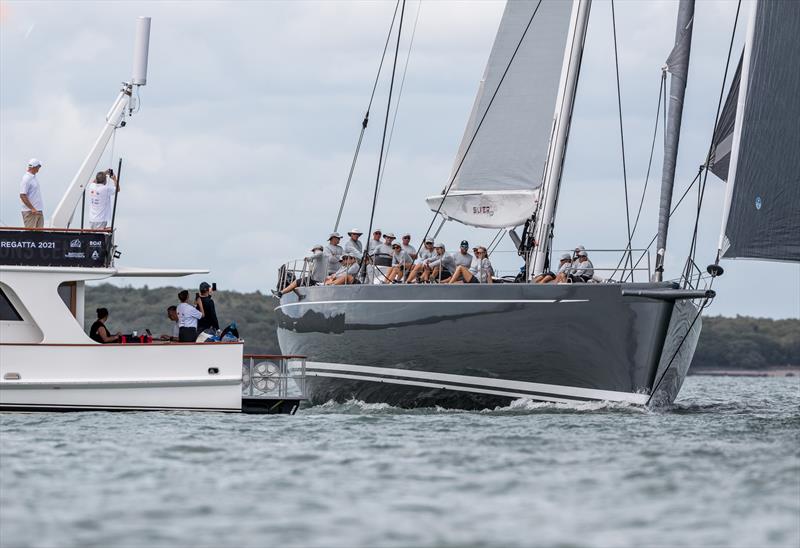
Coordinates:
[580,248]
[204,286]
[318,246]
[406,235]
[334,235]
[464,243]
[439,244]
[428,240]
[566,257]
[33,162]
[582,254]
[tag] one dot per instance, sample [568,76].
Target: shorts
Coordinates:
[33,220]
[307,282]
[444,274]
[473,280]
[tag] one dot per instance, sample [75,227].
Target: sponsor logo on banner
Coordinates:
[95,243]
[95,255]
[75,255]
[75,243]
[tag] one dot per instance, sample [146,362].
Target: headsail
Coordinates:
[720,159]
[499,169]
[762,203]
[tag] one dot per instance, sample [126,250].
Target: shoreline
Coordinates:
[786,371]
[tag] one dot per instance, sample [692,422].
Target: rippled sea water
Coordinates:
[721,468]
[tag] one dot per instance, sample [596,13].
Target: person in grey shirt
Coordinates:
[316,267]
[480,271]
[564,266]
[374,242]
[463,257]
[354,244]
[347,273]
[441,265]
[382,256]
[421,262]
[401,263]
[584,272]
[405,243]
[333,252]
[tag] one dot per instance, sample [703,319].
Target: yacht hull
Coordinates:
[79,377]
[476,346]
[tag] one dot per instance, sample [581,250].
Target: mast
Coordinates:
[558,143]
[678,65]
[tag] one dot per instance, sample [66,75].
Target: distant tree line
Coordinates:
[728,343]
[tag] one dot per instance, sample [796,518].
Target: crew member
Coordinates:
[98,332]
[205,303]
[374,242]
[480,271]
[333,252]
[101,199]
[405,243]
[347,273]
[187,318]
[441,265]
[421,262]
[401,263]
[317,272]
[172,314]
[354,244]
[31,195]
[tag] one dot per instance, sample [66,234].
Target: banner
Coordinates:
[45,248]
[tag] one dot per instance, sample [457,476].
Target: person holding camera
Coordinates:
[101,198]
[205,304]
[187,318]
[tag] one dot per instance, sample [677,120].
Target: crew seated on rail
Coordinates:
[316,266]
[441,266]
[401,263]
[348,272]
[480,271]
[582,270]
[564,267]
[421,266]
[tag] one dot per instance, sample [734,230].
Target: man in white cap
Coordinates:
[317,270]
[421,262]
[333,252]
[31,196]
[382,255]
[354,244]
[347,274]
[101,198]
[374,242]
[584,272]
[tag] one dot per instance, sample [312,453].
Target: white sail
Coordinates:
[762,203]
[501,161]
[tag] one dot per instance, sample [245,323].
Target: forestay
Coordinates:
[502,156]
[762,207]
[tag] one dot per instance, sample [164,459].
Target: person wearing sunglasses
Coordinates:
[480,271]
[421,266]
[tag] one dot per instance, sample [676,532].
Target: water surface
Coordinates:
[721,468]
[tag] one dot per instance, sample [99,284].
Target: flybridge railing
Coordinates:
[21,246]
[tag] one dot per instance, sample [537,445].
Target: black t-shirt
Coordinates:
[93,331]
[210,317]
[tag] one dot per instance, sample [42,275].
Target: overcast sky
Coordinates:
[239,155]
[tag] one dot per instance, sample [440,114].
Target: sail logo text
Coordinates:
[483,210]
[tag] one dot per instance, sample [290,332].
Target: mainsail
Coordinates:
[502,157]
[762,203]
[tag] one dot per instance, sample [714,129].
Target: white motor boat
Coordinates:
[47,362]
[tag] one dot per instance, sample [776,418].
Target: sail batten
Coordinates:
[504,149]
[762,216]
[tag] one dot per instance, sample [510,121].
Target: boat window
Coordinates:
[68,291]
[7,311]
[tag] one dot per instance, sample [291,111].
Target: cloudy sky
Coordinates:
[239,155]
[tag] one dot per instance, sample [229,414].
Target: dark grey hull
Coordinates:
[477,346]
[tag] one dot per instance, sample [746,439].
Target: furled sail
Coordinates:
[762,203]
[720,159]
[501,160]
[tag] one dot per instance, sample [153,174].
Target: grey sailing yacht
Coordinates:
[481,345]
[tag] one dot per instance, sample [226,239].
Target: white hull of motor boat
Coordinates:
[59,377]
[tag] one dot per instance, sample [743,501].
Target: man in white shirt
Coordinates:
[333,252]
[187,319]
[401,263]
[441,265]
[101,196]
[463,257]
[31,195]
[354,244]
[407,247]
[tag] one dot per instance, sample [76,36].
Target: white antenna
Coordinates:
[141,47]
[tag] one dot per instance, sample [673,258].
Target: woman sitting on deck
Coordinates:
[480,271]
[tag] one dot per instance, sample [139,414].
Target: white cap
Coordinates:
[439,244]
[406,235]
[355,231]
[33,162]
[580,248]
[566,257]
[334,235]
[318,246]
[582,254]
[390,235]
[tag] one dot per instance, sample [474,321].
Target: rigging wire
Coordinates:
[400,93]
[385,127]
[499,238]
[480,123]
[365,121]
[702,188]
[621,134]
